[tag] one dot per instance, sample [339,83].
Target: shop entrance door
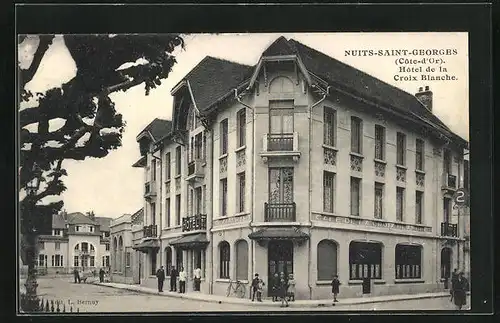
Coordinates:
[280,259]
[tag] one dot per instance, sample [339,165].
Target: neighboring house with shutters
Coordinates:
[77,240]
[304,165]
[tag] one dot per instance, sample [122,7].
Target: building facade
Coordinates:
[77,241]
[302,165]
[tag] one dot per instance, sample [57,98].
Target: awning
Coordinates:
[192,241]
[279,234]
[146,246]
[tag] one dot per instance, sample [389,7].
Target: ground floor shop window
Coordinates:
[327,259]
[76,262]
[153,263]
[224,258]
[179,260]
[408,261]
[365,260]
[445,263]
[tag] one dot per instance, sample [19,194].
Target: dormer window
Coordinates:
[57,232]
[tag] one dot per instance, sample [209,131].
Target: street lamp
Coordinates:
[31,302]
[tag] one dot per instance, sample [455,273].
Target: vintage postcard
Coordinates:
[244,172]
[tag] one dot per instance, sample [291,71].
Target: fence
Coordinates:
[46,306]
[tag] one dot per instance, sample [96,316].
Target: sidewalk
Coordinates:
[299,303]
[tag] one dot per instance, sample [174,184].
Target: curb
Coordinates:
[230,300]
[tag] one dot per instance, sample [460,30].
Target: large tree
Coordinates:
[92,127]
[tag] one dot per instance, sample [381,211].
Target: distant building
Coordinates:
[304,165]
[77,240]
[124,260]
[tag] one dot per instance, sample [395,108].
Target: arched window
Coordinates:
[365,260]
[408,261]
[327,259]
[92,247]
[77,247]
[242,260]
[281,84]
[224,258]
[120,256]
[168,259]
[445,263]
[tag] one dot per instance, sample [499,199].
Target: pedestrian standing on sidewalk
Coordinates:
[101,275]
[197,279]
[291,288]
[460,291]
[335,288]
[275,286]
[75,275]
[173,279]
[182,280]
[160,274]
[454,280]
[255,286]
[283,286]
[260,288]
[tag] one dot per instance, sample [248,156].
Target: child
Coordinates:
[260,287]
[291,288]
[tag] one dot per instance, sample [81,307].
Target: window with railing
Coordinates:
[330,126]
[401,149]
[408,261]
[379,142]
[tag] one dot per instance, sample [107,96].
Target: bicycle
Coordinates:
[237,288]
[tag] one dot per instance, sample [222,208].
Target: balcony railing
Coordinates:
[149,231]
[195,222]
[149,189]
[280,144]
[279,212]
[449,229]
[449,181]
[195,168]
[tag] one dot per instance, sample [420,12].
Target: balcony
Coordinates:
[449,230]
[449,183]
[194,223]
[277,145]
[279,212]
[150,231]
[149,190]
[195,170]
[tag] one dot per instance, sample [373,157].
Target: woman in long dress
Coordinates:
[460,291]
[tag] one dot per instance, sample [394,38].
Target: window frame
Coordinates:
[378,187]
[168,214]
[223,132]
[168,166]
[380,140]
[400,213]
[241,179]
[400,149]
[329,181]
[244,273]
[419,207]
[330,126]
[178,201]
[178,160]
[356,135]
[419,154]
[224,260]
[355,181]
[223,197]
[405,267]
[321,258]
[371,259]
[241,124]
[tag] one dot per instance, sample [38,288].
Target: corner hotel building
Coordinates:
[300,164]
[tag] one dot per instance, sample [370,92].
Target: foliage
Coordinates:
[92,127]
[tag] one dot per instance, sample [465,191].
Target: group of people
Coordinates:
[459,288]
[174,274]
[78,275]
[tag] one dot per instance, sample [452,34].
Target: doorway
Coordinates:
[280,259]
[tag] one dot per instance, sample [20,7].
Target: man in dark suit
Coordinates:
[160,274]
[173,279]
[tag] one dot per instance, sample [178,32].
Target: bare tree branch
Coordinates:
[28,74]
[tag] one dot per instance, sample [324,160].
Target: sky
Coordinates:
[111,187]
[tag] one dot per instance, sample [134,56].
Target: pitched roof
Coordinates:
[334,71]
[158,128]
[58,221]
[213,77]
[79,218]
[103,223]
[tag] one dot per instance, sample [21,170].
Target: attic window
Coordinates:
[281,84]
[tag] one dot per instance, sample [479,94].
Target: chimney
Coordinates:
[424,95]
[91,215]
